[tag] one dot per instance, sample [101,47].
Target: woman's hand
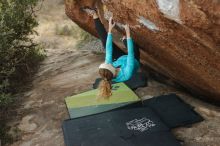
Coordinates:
[111,25]
[127,30]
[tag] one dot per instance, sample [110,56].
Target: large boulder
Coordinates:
[178,38]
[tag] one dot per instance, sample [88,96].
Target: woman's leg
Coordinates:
[136,50]
[117,52]
[101,31]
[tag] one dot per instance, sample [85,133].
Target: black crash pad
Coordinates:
[136,81]
[173,111]
[126,127]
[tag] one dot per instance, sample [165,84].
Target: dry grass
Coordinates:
[55,25]
[76,32]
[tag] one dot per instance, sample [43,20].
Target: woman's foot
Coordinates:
[90,11]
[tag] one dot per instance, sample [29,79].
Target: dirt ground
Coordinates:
[68,70]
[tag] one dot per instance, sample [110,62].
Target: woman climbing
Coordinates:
[118,66]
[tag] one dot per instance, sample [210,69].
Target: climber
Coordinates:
[118,66]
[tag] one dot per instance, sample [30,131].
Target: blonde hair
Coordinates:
[105,85]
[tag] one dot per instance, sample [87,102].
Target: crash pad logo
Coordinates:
[141,125]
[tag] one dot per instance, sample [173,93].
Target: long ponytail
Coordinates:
[105,85]
[104,89]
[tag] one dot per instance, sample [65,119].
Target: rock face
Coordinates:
[179,39]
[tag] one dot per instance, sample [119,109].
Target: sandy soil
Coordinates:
[67,71]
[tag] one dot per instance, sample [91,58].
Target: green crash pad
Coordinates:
[86,103]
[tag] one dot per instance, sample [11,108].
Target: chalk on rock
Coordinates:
[150,25]
[107,13]
[170,8]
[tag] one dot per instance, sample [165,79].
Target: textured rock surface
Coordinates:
[179,39]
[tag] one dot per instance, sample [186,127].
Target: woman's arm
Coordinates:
[109,49]
[130,57]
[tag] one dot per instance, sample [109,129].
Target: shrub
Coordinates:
[18,52]
[19,55]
